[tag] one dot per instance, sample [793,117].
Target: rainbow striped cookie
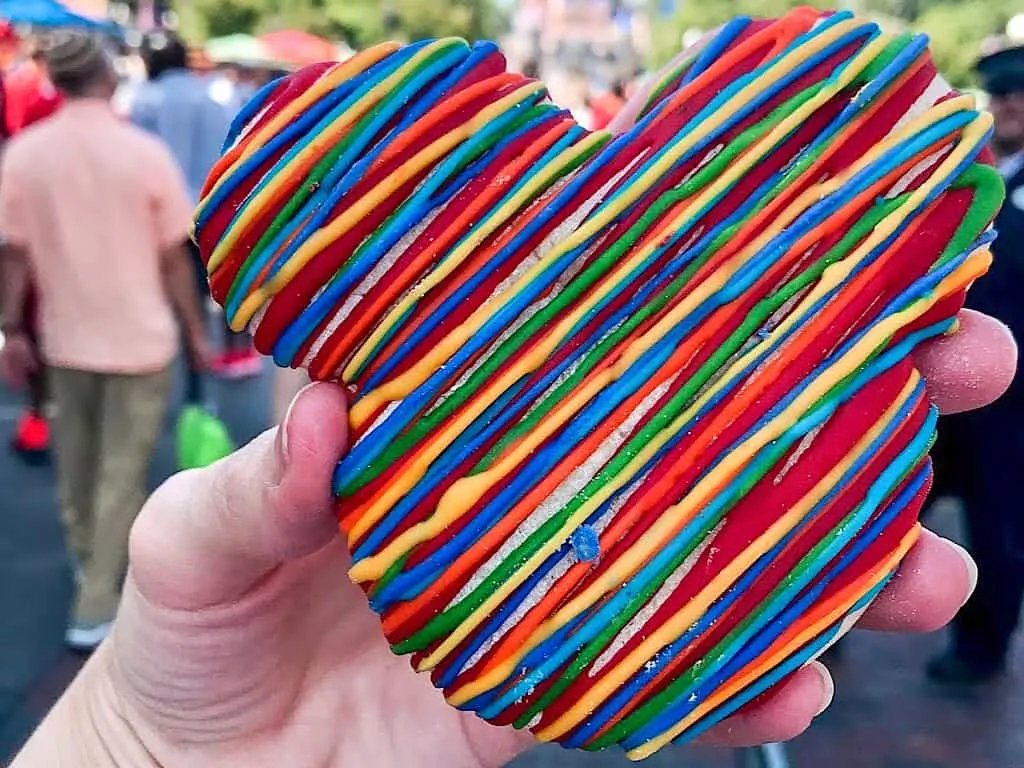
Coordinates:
[636,427]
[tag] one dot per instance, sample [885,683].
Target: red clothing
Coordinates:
[604,109]
[42,108]
[30,97]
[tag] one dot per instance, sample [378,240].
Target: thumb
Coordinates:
[207,536]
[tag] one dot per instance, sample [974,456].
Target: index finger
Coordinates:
[970,368]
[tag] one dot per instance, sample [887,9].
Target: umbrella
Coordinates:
[46,13]
[292,46]
[238,49]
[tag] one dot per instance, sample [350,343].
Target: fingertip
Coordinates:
[934,581]
[969,564]
[828,686]
[782,716]
[316,422]
[970,368]
[312,437]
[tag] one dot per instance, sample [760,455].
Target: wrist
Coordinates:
[87,728]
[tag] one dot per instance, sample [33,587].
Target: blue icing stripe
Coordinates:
[915,47]
[796,660]
[862,180]
[678,547]
[594,413]
[736,288]
[428,324]
[349,168]
[600,717]
[292,132]
[748,644]
[383,438]
[356,462]
[752,202]
[318,208]
[512,123]
[609,611]
[333,188]
[249,111]
[299,133]
[489,425]
[708,516]
[726,36]
[478,166]
[494,622]
[441,467]
[507,608]
[413,582]
[906,298]
[760,196]
[748,107]
[751,642]
[474,705]
[799,659]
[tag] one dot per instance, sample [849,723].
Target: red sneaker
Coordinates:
[243,364]
[32,437]
[222,362]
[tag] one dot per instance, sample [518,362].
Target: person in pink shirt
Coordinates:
[96,213]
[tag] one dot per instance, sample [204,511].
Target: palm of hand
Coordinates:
[291,669]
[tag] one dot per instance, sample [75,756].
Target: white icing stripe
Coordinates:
[378,273]
[651,607]
[546,583]
[565,491]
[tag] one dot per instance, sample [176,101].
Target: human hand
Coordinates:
[18,360]
[241,641]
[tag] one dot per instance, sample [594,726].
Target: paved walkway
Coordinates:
[885,714]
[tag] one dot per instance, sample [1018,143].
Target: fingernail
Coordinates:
[972,567]
[828,687]
[285,427]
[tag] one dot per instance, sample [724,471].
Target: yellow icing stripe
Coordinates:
[629,562]
[318,147]
[650,541]
[606,685]
[831,612]
[331,79]
[468,246]
[352,215]
[463,494]
[402,385]
[459,499]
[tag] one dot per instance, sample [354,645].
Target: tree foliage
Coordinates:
[358,22]
[957,28]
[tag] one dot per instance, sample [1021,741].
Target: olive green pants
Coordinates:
[105,431]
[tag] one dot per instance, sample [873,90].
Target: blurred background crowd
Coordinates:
[106,147]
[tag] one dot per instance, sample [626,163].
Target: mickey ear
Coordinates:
[627,117]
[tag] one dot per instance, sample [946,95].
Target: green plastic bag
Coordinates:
[202,438]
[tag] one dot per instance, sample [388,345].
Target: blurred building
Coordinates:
[579,47]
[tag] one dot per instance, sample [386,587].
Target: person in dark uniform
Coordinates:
[980,454]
